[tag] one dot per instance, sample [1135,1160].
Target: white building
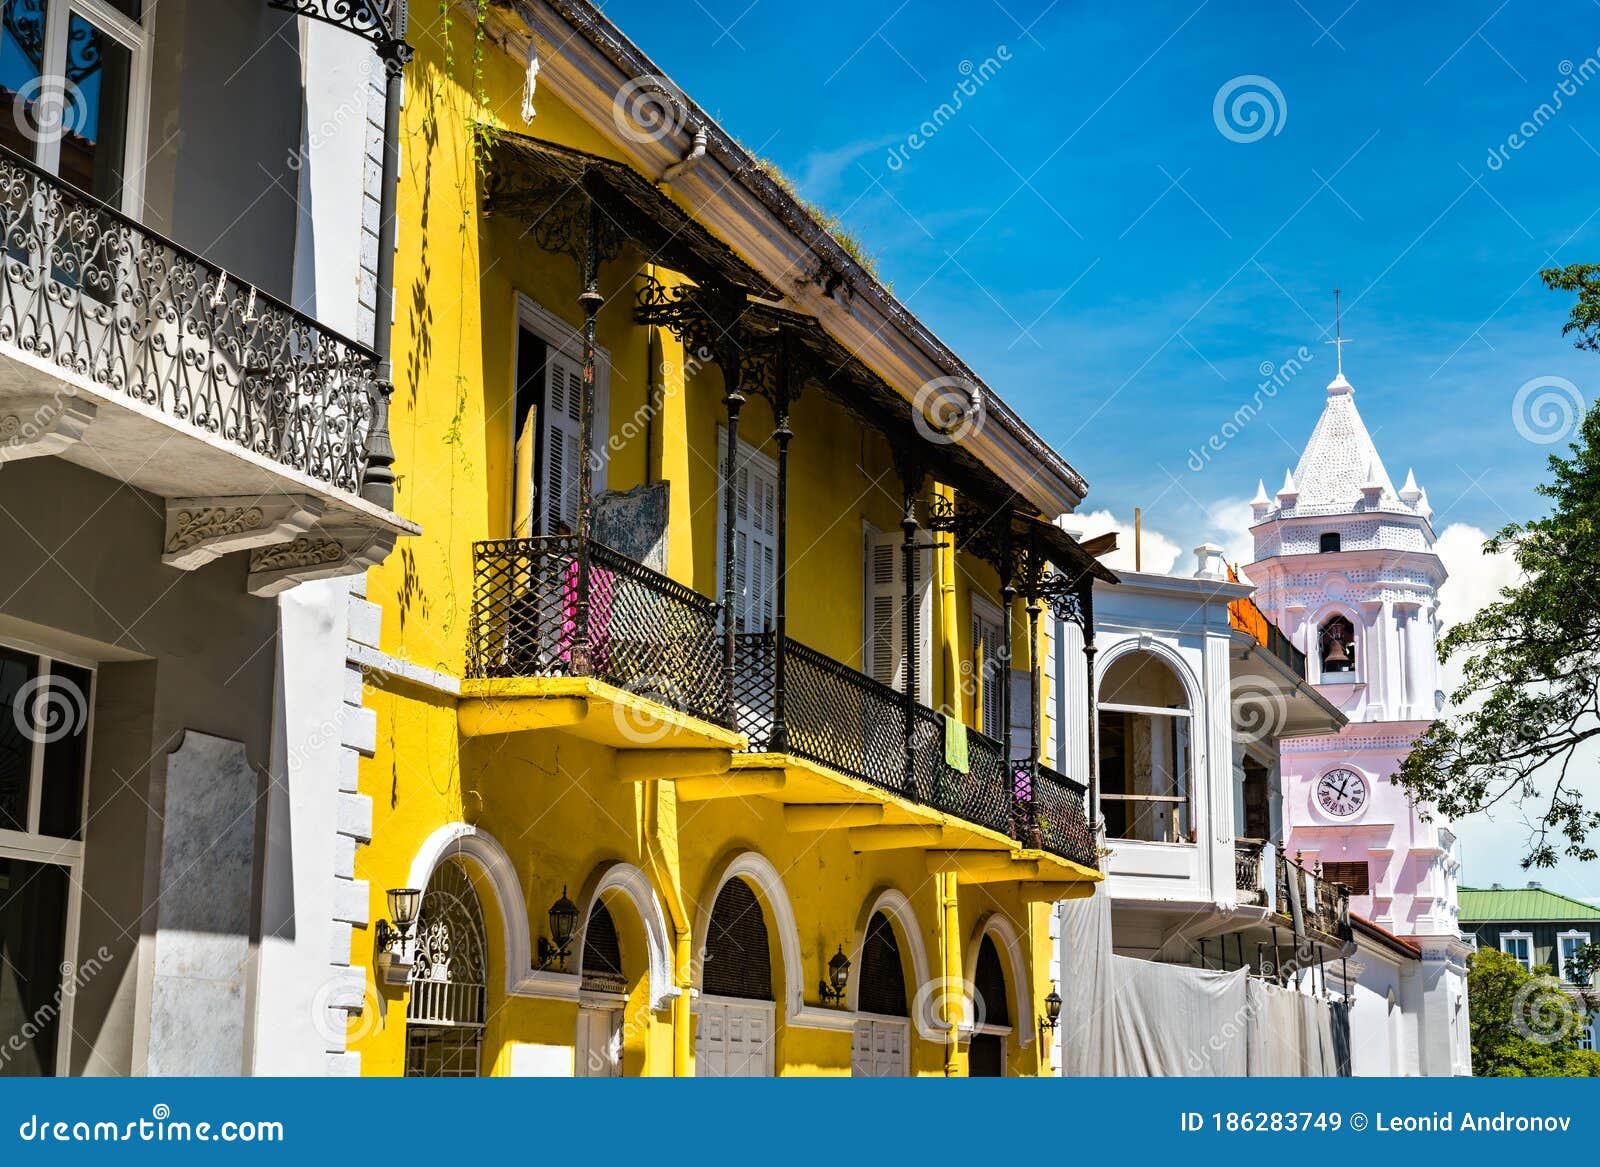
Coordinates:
[189,414]
[1345,566]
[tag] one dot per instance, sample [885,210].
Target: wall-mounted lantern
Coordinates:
[396,948]
[563,923]
[832,989]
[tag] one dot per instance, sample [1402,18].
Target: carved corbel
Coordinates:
[202,529]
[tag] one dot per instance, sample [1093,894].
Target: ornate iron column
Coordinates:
[782,435]
[733,399]
[912,473]
[581,655]
[1026,790]
[1086,622]
[1008,599]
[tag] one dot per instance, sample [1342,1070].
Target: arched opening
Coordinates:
[737,1009]
[986,1056]
[449,1004]
[882,1042]
[1336,645]
[1146,753]
[602,998]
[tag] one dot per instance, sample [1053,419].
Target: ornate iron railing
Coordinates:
[835,716]
[98,295]
[1247,870]
[845,720]
[1325,905]
[648,634]
[1060,810]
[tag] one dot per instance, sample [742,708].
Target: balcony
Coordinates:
[117,344]
[1250,874]
[850,723]
[655,646]
[656,665]
[1322,905]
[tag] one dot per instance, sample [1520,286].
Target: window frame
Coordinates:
[1190,775]
[1518,935]
[1561,952]
[133,35]
[29,846]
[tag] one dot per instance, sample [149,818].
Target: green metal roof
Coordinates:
[1517,904]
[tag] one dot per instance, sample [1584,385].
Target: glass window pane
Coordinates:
[62,725]
[17,673]
[21,62]
[33,934]
[94,118]
[128,8]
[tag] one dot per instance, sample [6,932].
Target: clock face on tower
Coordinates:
[1342,792]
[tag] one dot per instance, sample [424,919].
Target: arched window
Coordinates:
[1146,758]
[602,953]
[986,1055]
[738,956]
[448,1006]
[1336,645]
[883,977]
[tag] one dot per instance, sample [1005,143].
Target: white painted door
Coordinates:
[733,1039]
[599,1052]
[881,1048]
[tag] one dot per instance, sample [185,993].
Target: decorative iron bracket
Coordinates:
[383,22]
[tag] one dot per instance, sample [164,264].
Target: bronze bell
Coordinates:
[1337,656]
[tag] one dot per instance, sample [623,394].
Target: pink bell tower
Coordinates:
[1344,564]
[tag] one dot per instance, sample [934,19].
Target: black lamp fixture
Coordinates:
[394,939]
[1052,1013]
[563,923]
[832,989]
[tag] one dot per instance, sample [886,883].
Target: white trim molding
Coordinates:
[1010,943]
[635,886]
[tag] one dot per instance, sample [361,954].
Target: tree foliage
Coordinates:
[1524,1025]
[1531,660]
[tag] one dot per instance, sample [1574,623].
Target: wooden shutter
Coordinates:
[988,631]
[755,536]
[562,418]
[883,654]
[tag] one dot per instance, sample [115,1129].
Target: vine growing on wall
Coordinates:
[481,131]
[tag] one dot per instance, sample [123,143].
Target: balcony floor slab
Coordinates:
[586,708]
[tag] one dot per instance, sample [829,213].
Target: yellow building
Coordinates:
[652,805]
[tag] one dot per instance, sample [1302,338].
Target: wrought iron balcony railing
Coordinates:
[96,294]
[845,720]
[648,634]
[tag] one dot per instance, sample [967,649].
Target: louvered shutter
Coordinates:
[562,418]
[987,636]
[882,651]
[755,536]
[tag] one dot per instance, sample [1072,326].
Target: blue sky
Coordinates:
[1119,268]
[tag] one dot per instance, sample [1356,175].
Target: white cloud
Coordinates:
[1159,554]
[1476,577]
[1230,526]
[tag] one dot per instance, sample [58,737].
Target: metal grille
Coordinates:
[89,290]
[1063,820]
[442,1053]
[449,971]
[883,977]
[738,959]
[836,716]
[648,634]
[981,795]
[602,953]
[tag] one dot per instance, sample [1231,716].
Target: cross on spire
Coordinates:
[1338,342]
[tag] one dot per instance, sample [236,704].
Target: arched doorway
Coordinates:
[986,1055]
[602,998]
[448,1005]
[1146,751]
[737,1009]
[882,1043]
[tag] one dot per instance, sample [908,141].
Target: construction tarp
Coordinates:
[1124,1017]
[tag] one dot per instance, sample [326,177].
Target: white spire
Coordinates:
[1288,489]
[1261,498]
[1410,492]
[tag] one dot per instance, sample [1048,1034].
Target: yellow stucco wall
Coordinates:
[551,800]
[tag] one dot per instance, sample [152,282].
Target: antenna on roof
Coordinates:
[1338,342]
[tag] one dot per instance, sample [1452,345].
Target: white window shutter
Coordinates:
[882,653]
[755,552]
[987,634]
[562,440]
